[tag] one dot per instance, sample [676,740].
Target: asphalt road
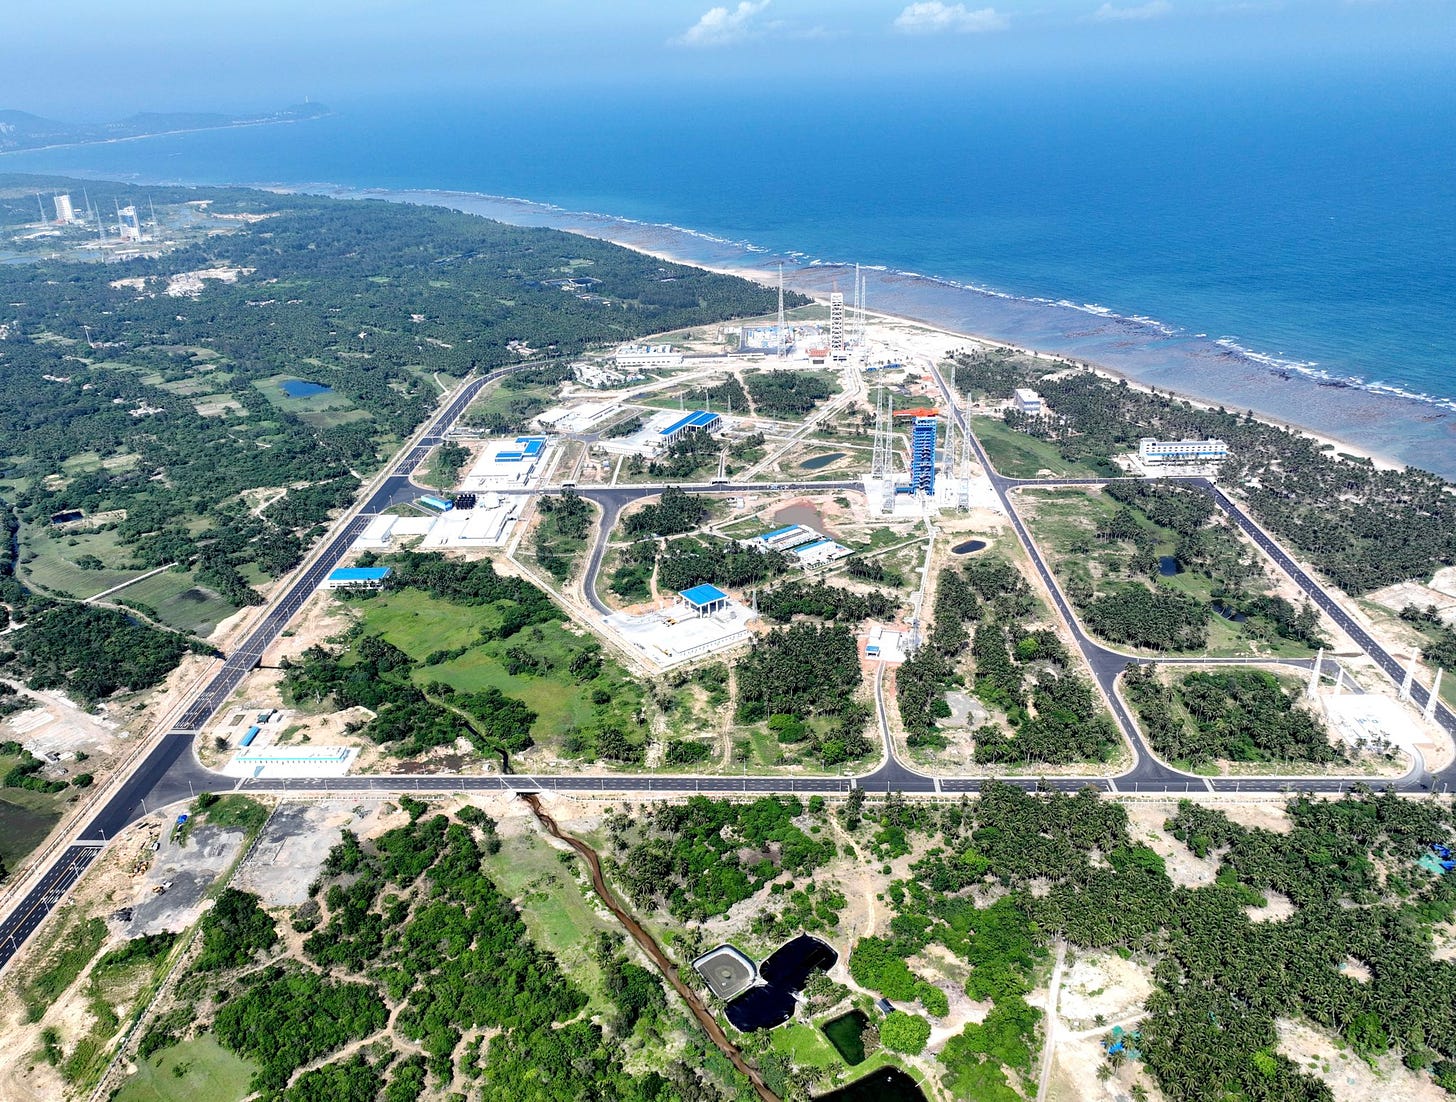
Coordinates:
[170,772]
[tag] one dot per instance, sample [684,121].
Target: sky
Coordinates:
[95,59]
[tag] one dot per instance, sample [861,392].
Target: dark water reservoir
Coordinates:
[846,1034]
[1168,566]
[1229,613]
[968,547]
[784,975]
[818,461]
[298,388]
[884,1085]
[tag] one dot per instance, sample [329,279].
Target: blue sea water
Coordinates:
[1275,241]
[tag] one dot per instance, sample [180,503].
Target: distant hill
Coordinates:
[22,130]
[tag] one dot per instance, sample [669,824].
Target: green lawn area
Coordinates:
[806,1046]
[25,818]
[48,560]
[419,624]
[179,602]
[1016,455]
[193,1071]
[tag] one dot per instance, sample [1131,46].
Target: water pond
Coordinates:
[819,461]
[1168,566]
[1229,613]
[784,974]
[884,1085]
[968,547]
[298,388]
[846,1034]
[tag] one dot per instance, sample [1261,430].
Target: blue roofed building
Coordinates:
[704,600]
[697,421]
[357,577]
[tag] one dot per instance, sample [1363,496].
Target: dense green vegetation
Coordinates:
[674,512]
[1054,713]
[683,563]
[805,671]
[680,857]
[176,416]
[1364,528]
[1067,866]
[410,929]
[561,535]
[1110,550]
[824,601]
[788,394]
[1440,647]
[88,651]
[1236,715]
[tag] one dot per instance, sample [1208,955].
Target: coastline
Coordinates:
[239,125]
[1359,451]
[814,278]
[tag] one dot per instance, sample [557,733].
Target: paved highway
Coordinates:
[170,772]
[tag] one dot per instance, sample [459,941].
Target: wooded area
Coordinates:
[1364,528]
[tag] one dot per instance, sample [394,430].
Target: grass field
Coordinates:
[561,921]
[806,1046]
[71,950]
[190,1072]
[1063,522]
[25,818]
[179,602]
[48,560]
[1016,455]
[418,625]
[321,410]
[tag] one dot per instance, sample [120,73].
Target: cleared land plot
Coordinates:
[25,818]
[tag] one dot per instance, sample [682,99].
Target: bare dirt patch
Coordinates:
[1350,1078]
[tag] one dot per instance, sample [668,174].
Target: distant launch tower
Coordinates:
[836,325]
[128,225]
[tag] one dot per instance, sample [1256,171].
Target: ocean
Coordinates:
[1274,241]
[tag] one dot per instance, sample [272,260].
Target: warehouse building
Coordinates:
[357,577]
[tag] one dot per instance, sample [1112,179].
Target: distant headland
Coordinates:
[20,130]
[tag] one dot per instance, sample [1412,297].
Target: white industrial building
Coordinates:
[580,418]
[1180,453]
[645,356]
[65,213]
[488,524]
[698,622]
[819,552]
[506,464]
[662,429]
[602,377]
[1028,401]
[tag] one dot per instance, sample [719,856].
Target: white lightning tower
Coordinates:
[1314,674]
[1410,676]
[965,487]
[782,333]
[880,458]
[1429,715]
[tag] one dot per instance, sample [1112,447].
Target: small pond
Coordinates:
[298,388]
[846,1034]
[968,547]
[1229,613]
[884,1085]
[818,461]
[1168,566]
[784,975]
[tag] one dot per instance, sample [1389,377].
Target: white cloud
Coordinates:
[933,17]
[720,26]
[1151,10]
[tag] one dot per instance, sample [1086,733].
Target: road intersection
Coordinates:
[170,771]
